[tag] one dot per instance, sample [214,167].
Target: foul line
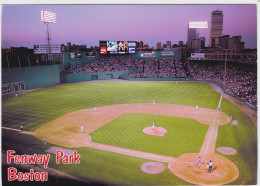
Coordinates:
[212,129]
[119,150]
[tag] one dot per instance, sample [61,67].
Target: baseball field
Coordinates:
[119,140]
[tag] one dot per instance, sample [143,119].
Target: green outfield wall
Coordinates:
[154,79]
[34,77]
[70,78]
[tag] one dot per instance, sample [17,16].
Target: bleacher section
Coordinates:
[148,67]
[241,79]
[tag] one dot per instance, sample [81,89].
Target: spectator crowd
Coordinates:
[145,67]
[241,79]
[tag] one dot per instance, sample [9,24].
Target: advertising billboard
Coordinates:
[103,47]
[148,54]
[75,55]
[167,53]
[13,87]
[91,54]
[197,56]
[42,49]
[198,24]
[131,47]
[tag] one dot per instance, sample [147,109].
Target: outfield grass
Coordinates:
[183,136]
[34,109]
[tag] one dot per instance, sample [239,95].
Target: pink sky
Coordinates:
[87,24]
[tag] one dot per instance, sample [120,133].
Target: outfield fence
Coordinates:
[33,77]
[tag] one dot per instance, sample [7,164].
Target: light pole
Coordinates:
[47,18]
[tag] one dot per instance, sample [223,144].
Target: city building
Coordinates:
[191,35]
[168,44]
[180,43]
[159,45]
[202,42]
[224,41]
[236,44]
[216,28]
[141,44]
[73,48]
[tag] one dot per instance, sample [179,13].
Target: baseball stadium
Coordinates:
[124,113]
[140,126]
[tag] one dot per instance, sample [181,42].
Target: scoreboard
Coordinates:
[15,87]
[117,47]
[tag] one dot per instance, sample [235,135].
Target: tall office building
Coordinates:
[191,36]
[216,28]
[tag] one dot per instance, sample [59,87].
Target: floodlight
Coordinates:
[198,24]
[48,17]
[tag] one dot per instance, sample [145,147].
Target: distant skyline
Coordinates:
[87,24]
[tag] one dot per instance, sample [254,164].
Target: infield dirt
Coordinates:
[65,131]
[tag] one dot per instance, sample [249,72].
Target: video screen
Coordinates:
[122,47]
[111,46]
[117,47]
[103,47]
[75,55]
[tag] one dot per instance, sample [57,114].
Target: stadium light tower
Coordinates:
[48,18]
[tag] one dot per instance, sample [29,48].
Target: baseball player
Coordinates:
[210,166]
[197,107]
[82,128]
[153,101]
[153,124]
[198,162]
[45,141]
[207,166]
[21,127]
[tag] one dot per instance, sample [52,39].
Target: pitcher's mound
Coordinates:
[227,150]
[223,172]
[157,131]
[152,167]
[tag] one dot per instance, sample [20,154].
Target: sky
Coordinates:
[87,24]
